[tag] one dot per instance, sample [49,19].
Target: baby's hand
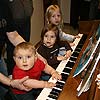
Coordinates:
[49,84]
[56,75]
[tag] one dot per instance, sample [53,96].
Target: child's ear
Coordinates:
[14,58]
[35,57]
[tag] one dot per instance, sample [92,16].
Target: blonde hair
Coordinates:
[48,14]
[24,46]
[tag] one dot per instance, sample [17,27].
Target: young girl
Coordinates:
[27,64]
[53,16]
[51,48]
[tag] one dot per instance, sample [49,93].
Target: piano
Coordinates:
[66,89]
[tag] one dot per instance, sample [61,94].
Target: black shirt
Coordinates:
[6,22]
[51,54]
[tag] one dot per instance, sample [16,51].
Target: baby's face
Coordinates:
[55,17]
[24,59]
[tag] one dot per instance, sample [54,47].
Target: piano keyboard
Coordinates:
[64,68]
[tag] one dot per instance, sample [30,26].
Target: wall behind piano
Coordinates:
[37,21]
[65,8]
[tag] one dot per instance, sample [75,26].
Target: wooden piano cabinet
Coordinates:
[69,91]
[85,27]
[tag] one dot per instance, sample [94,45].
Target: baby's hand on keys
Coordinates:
[56,75]
[49,84]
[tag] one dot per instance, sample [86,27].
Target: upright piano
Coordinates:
[66,89]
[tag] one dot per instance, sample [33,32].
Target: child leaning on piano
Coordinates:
[27,64]
[52,49]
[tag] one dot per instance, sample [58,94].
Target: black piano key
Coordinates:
[82,41]
[79,46]
[64,77]
[67,70]
[70,64]
[72,59]
[78,49]
[53,96]
[55,91]
[59,84]
[75,54]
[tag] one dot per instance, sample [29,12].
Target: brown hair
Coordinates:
[53,28]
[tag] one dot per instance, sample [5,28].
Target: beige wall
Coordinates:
[65,8]
[37,21]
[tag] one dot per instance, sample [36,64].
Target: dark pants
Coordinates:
[32,95]
[3,88]
[23,28]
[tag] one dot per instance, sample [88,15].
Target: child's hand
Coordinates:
[76,36]
[72,44]
[56,75]
[49,84]
[61,58]
[68,54]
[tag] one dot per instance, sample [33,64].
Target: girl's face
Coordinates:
[49,39]
[24,59]
[55,17]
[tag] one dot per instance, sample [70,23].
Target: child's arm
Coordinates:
[48,69]
[32,83]
[41,58]
[65,36]
[68,37]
